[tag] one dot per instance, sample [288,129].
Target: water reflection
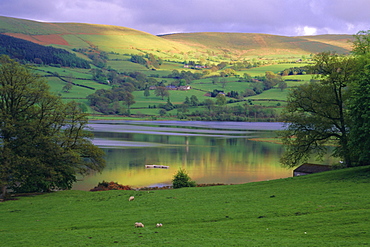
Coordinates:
[211,152]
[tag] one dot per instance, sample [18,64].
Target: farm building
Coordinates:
[184,88]
[308,168]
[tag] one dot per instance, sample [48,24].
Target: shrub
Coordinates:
[104,186]
[182,179]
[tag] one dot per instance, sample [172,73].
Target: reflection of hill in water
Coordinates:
[211,152]
[197,124]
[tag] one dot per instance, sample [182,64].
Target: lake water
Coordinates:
[211,152]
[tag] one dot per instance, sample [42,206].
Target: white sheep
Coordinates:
[131,198]
[159,225]
[139,224]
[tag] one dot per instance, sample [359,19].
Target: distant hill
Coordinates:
[263,44]
[125,40]
[79,35]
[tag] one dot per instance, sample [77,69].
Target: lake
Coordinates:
[211,152]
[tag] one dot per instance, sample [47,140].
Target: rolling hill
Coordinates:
[79,35]
[126,40]
[249,44]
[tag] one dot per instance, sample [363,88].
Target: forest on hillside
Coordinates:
[24,50]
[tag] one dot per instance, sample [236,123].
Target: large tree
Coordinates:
[162,92]
[359,105]
[44,143]
[361,43]
[316,113]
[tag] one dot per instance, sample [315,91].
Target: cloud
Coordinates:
[283,17]
[306,31]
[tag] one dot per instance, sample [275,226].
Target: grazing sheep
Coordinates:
[139,224]
[159,225]
[131,198]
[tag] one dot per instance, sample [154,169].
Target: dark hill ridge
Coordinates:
[25,50]
[126,40]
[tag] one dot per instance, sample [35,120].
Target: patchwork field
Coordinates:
[118,44]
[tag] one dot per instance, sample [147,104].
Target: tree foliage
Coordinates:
[161,92]
[149,60]
[360,101]
[361,44]
[108,101]
[182,179]
[44,142]
[316,113]
[360,115]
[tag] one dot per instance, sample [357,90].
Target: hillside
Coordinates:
[126,40]
[247,44]
[79,35]
[325,209]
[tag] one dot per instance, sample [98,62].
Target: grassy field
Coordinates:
[326,209]
[57,78]
[259,71]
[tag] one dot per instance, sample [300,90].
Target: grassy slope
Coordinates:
[327,209]
[79,35]
[260,44]
[122,39]
[339,40]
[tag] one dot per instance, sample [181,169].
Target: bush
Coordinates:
[182,179]
[104,186]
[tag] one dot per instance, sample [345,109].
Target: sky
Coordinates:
[279,17]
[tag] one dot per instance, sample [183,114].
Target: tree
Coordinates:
[128,99]
[187,101]
[182,179]
[208,103]
[247,77]
[146,92]
[162,112]
[258,87]
[169,106]
[67,87]
[282,85]
[316,115]
[153,61]
[359,105]
[221,99]
[271,80]
[127,86]
[44,143]
[162,92]
[361,44]
[194,100]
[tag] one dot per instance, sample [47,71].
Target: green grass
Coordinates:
[126,66]
[326,209]
[260,71]
[176,97]
[272,94]
[231,84]
[296,80]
